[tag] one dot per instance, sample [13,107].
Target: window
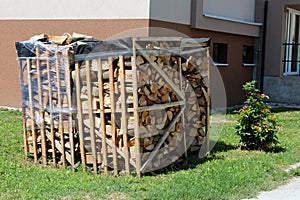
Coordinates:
[292,45]
[220,54]
[248,55]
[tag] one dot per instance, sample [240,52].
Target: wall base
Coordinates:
[283,89]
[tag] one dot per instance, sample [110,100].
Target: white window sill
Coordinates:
[248,65]
[221,64]
[231,19]
[291,74]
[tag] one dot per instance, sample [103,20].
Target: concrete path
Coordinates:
[290,191]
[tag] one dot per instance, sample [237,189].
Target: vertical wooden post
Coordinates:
[59,107]
[51,110]
[79,116]
[41,107]
[208,105]
[136,112]
[124,115]
[69,100]
[24,126]
[91,115]
[31,108]
[113,114]
[183,115]
[102,116]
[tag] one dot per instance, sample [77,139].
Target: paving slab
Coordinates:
[290,191]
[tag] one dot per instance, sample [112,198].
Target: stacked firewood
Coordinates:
[172,100]
[78,108]
[49,127]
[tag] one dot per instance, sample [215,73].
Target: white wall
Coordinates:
[178,11]
[74,9]
[235,9]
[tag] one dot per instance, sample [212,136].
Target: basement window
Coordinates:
[248,56]
[220,54]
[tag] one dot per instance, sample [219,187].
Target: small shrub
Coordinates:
[256,126]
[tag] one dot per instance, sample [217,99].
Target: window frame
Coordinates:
[217,61]
[245,53]
[290,43]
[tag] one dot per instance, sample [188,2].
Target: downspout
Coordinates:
[264,40]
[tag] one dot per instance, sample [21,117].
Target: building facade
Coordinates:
[234,32]
[234,27]
[279,73]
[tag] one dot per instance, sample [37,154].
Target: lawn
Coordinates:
[226,173]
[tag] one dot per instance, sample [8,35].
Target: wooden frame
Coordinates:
[116,128]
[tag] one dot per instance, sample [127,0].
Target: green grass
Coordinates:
[227,173]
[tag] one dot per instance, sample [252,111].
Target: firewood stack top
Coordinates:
[126,105]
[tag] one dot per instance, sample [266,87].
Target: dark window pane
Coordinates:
[220,53]
[248,54]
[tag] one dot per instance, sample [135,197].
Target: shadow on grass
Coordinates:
[220,146]
[283,109]
[276,149]
[194,160]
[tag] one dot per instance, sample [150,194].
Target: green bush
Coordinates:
[257,126]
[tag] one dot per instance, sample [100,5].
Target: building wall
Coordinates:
[234,9]
[19,20]
[205,16]
[177,11]
[280,88]
[283,89]
[275,33]
[235,75]
[74,9]
[20,30]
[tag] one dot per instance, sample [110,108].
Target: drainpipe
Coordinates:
[264,40]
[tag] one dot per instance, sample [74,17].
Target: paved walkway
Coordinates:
[290,191]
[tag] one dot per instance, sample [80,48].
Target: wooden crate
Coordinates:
[49,127]
[142,104]
[127,105]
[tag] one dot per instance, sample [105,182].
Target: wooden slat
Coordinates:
[59,105]
[102,116]
[161,106]
[162,140]
[161,39]
[69,99]
[79,116]
[124,115]
[51,108]
[113,114]
[24,126]
[91,115]
[136,112]
[208,107]
[118,110]
[121,153]
[60,148]
[41,109]
[162,73]
[183,115]
[31,108]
